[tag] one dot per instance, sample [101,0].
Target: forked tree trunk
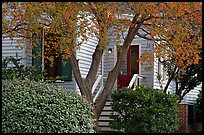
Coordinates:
[85,84]
[85,88]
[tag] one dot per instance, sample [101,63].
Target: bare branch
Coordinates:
[144,36]
[145,30]
[171,77]
[145,19]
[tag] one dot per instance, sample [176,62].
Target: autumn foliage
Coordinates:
[171,25]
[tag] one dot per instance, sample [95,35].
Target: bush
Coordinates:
[198,107]
[39,107]
[18,70]
[144,110]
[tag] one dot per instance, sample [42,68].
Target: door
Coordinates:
[129,67]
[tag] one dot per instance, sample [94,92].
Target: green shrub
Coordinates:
[18,70]
[144,110]
[39,107]
[198,107]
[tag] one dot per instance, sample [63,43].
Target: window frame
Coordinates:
[62,73]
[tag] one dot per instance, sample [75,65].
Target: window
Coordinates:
[59,68]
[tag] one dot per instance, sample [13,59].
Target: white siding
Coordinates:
[110,59]
[84,56]
[191,97]
[193,94]
[156,84]
[9,49]
[148,74]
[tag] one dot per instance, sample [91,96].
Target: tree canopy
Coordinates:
[170,24]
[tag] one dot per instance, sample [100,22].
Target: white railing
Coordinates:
[97,94]
[134,81]
[98,80]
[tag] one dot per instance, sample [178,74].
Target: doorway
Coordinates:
[129,67]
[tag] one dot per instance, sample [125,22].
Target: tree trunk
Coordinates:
[85,85]
[112,76]
[96,128]
[85,88]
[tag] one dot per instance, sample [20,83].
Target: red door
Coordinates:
[129,67]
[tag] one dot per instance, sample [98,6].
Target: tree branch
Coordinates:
[97,55]
[77,75]
[169,80]
[144,36]
[145,19]
[184,93]
[96,58]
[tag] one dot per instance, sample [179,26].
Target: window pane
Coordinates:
[66,70]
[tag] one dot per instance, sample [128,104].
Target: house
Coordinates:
[131,70]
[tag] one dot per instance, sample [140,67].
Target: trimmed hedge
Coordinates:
[40,107]
[144,110]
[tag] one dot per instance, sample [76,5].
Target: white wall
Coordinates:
[9,49]
[110,59]
[191,97]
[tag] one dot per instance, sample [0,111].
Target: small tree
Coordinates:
[144,110]
[186,80]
